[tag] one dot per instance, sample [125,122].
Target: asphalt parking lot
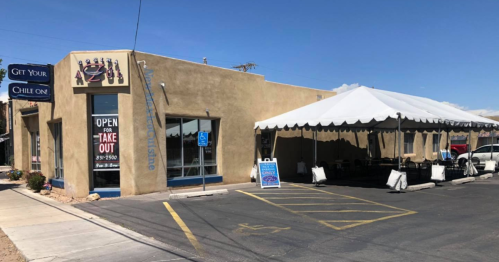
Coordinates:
[299,222]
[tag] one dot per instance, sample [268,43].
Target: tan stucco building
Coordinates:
[124,123]
[132,129]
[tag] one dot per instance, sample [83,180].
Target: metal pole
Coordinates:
[439,140]
[492,133]
[202,166]
[315,147]
[399,133]
[469,151]
[11,134]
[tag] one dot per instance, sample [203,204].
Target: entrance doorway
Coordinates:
[105,141]
[266,145]
[373,145]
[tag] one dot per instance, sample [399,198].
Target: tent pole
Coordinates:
[398,137]
[492,133]
[469,151]
[439,140]
[255,159]
[301,143]
[315,147]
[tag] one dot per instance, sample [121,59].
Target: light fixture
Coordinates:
[162,84]
[143,61]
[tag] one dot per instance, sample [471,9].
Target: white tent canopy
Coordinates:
[373,108]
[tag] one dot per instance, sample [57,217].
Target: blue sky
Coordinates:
[442,49]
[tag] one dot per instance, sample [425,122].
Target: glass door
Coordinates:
[58,162]
[105,140]
[35,151]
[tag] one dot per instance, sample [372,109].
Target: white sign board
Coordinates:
[269,173]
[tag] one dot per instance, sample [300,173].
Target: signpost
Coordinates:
[31,91]
[202,142]
[269,173]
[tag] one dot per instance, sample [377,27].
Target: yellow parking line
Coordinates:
[345,221]
[288,193]
[302,198]
[284,208]
[186,230]
[325,204]
[351,197]
[326,222]
[350,211]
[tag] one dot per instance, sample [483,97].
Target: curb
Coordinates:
[462,180]
[199,194]
[486,176]
[420,187]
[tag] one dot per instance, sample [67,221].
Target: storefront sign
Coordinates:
[106,142]
[97,69]
[31,92]
[29,73]
[269,173]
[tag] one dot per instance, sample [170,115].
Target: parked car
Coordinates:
[483,154]
[456,150]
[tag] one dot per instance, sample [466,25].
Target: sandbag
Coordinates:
[393,179]
[254,172]
[438,173]
[403,181]
[318,175]
[397,180]
[473,169]
[490,165]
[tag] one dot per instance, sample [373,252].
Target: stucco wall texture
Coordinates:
[236,99]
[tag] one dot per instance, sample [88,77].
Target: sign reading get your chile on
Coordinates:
[33,74]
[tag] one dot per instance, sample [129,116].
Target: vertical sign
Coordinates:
[269,173]
[202,142]
[106,142]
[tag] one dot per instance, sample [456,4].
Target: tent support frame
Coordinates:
[398,137]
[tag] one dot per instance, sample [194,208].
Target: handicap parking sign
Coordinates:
[203,139]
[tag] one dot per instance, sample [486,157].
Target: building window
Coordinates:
[35,151]
[58,160]
[436,143]
[105,141]
[183,154]
[408,143]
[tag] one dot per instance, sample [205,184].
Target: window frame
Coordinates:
[93,114]
[35,151]
[58,151]
[214,142]
[435,144]
[406,143]
[483,148]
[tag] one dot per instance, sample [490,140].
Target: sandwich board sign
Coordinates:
[268,173]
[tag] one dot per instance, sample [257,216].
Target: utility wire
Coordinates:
[137,29]
[29,60]
[80,42]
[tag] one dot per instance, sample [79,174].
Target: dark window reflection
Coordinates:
[105,104]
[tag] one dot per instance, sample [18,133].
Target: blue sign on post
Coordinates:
[29,73]
[203,139]
[269,173]
[31,92]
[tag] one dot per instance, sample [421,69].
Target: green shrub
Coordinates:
[15,174]
[36,182]
[29,175]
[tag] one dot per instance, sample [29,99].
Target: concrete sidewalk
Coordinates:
[46,230]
